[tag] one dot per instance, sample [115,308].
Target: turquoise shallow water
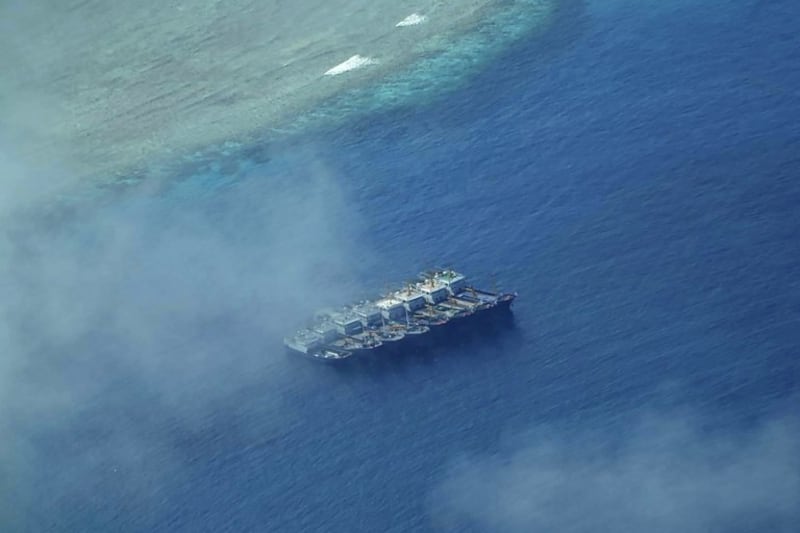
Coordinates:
[637,186]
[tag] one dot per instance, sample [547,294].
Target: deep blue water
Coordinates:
[637,186]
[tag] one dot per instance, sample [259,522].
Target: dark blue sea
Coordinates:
[632,174]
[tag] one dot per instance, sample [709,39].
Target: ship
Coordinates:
[404,318]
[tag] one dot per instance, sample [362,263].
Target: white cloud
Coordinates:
[666,474]
[178,303]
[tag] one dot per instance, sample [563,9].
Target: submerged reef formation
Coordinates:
[102,89]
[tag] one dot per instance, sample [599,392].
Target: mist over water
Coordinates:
[149,310]
[666,472]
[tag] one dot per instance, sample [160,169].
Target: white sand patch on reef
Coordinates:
[353,63]
[412,20]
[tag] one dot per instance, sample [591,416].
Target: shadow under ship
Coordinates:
[403,319]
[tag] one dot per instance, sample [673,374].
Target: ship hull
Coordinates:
[475,324]
[441,308]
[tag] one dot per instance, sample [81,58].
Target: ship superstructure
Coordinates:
[436,299]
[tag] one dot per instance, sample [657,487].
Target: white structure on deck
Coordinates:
[326,330]
[434,291]
[369,313]
[304,341]
[412,299]
[392,308]
[347,323]
[456,283]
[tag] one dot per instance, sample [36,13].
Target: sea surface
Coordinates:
[632,174]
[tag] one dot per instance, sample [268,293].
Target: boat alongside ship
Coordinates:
[416,313]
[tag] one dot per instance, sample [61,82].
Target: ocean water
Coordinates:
[632,174]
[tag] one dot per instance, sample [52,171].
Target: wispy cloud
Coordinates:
[129,313]
[666,473]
